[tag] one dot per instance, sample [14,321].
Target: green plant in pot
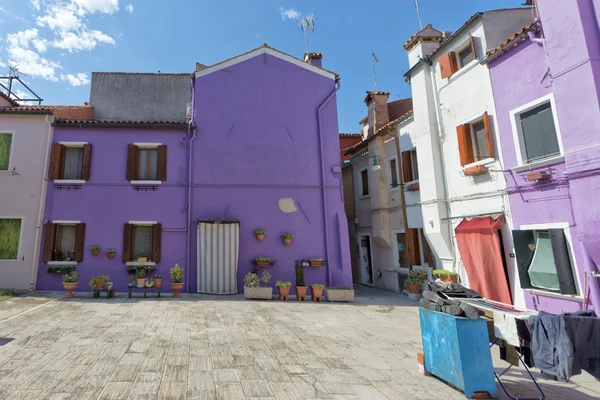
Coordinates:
[418,274]
[317,291]
[110,253]
[316,262]
[284,289]
[257,287]
[414,285]
[300,284]
[95,250]
[158,280]
[70,282]
[140,277]
[260,234]
[446,276]
[287,238]
[176,280]
[262,261]
[97,282]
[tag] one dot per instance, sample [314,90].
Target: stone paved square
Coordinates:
[205,347]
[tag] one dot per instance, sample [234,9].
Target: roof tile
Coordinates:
[512,40]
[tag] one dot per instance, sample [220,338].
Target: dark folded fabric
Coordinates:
[583,329]
[455,290]
[551,346]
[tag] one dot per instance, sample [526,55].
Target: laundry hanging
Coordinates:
[218,254]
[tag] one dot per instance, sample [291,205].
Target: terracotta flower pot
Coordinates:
[287,241]
[317,293]
[111,255]
[316,263]
[158,282]
[99,286]
[95,252]
[140,282]
[260,237]
[262,264]
[424,277]
[448,278]
[301,293]
[176,288]
[142,259]
[284,292]
[69,287]
[414,289]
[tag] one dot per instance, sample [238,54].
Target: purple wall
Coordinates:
[107,201]
[257,142]
[526,73]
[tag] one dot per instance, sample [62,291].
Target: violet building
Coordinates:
[545,84]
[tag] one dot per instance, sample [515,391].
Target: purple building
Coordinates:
[257,149]
[546,97]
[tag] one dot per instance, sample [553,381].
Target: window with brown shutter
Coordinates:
[132,162]
[126,254]
[407,173]
[70,162]
[472,44]
[146,162]
[144,240]
[87,162]
[56,161]
[465,144]
[49,235]
[79,243]
[156,242]
[162,163]
[413,249]
[489,138]
[448,64]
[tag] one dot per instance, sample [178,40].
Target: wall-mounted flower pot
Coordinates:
[111,255]
[260,237]
[95,252]
[538,176]
[475,170]
[262,264]
[413,187]
[316,263]
[287,241]
[142,259]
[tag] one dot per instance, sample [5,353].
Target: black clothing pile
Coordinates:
[433,301]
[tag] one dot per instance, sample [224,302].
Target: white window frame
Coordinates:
[395,250]
[471,121]
[71,181]
[141,223]
[360,184]
[389,174]
[458,49]
[518,133]
[574,269]
[146,146]
[63,222]
[20,250]
[11,152]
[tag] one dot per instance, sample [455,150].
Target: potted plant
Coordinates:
[70,254]
[257,288]
[111,253]
[141,277]
[287,238]
[158,280]
[316,262]
[109,285]
[97,282]
[149,283]
[418,274]
[446,276]
[260,234]
[262,261]
[340,293]
[284,289]
[317,291]
[59,255]
[176,280]
[95,250]
[414,285]
[142,259]
[59,269]
[132,281]
[300,285]
[70,282]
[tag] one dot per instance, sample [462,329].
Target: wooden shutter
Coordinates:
[162,163]
[465,144]
[562,261]
[133,153]
[156,242]
[79,243]
[473,48]
[87,161]
[50,234]
[489,138]
[427,252]
[412,247]
[127,242]
[57,156]
[453,62]
[524,243]
[445,65]
[407,173]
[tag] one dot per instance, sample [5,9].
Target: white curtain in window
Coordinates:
[148,164]
[73,163]
[67,238]
[5,142]
[142,242]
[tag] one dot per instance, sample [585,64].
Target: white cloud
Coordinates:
[76,80]
[129,8]
[61,18]
[83,40]
[35,4]
[289,13]
[32,63]
[103,6]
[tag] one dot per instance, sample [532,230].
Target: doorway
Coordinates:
[365,262]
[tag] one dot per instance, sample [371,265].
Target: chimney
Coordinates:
[200,67]
[422,43]
[378,110]
[315,59]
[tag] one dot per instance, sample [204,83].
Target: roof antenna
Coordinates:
[373,61]
[14,76]
[419,14]
[307,23]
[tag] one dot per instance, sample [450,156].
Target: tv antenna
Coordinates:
[307,23]
[373,61]
[6,83]
[418,13]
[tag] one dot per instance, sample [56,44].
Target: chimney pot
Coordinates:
[315,59]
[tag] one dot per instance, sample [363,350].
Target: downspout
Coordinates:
[323,189]
[188,246]
[590,275]
[38,226]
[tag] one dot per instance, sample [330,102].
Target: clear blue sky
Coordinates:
[72,38]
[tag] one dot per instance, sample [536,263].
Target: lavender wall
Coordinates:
[107,201]
[257,142]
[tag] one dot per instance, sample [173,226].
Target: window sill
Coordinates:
[394,188]
[412,186]
[137,264]
[11,261]
[485,161]
[68,181]
[539,164]
[62,263]
[570,297]
[146,182]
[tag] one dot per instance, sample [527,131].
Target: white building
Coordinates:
[461,182]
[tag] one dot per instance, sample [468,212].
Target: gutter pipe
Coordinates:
[323,190]
[188,244]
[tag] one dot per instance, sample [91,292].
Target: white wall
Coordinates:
[22,192]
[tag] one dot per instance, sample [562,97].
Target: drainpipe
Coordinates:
[38,226]
[591,276]
[188,246]
[324,190]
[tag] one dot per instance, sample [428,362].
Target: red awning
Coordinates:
[487,224]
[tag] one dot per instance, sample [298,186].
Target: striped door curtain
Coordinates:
[218,251]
